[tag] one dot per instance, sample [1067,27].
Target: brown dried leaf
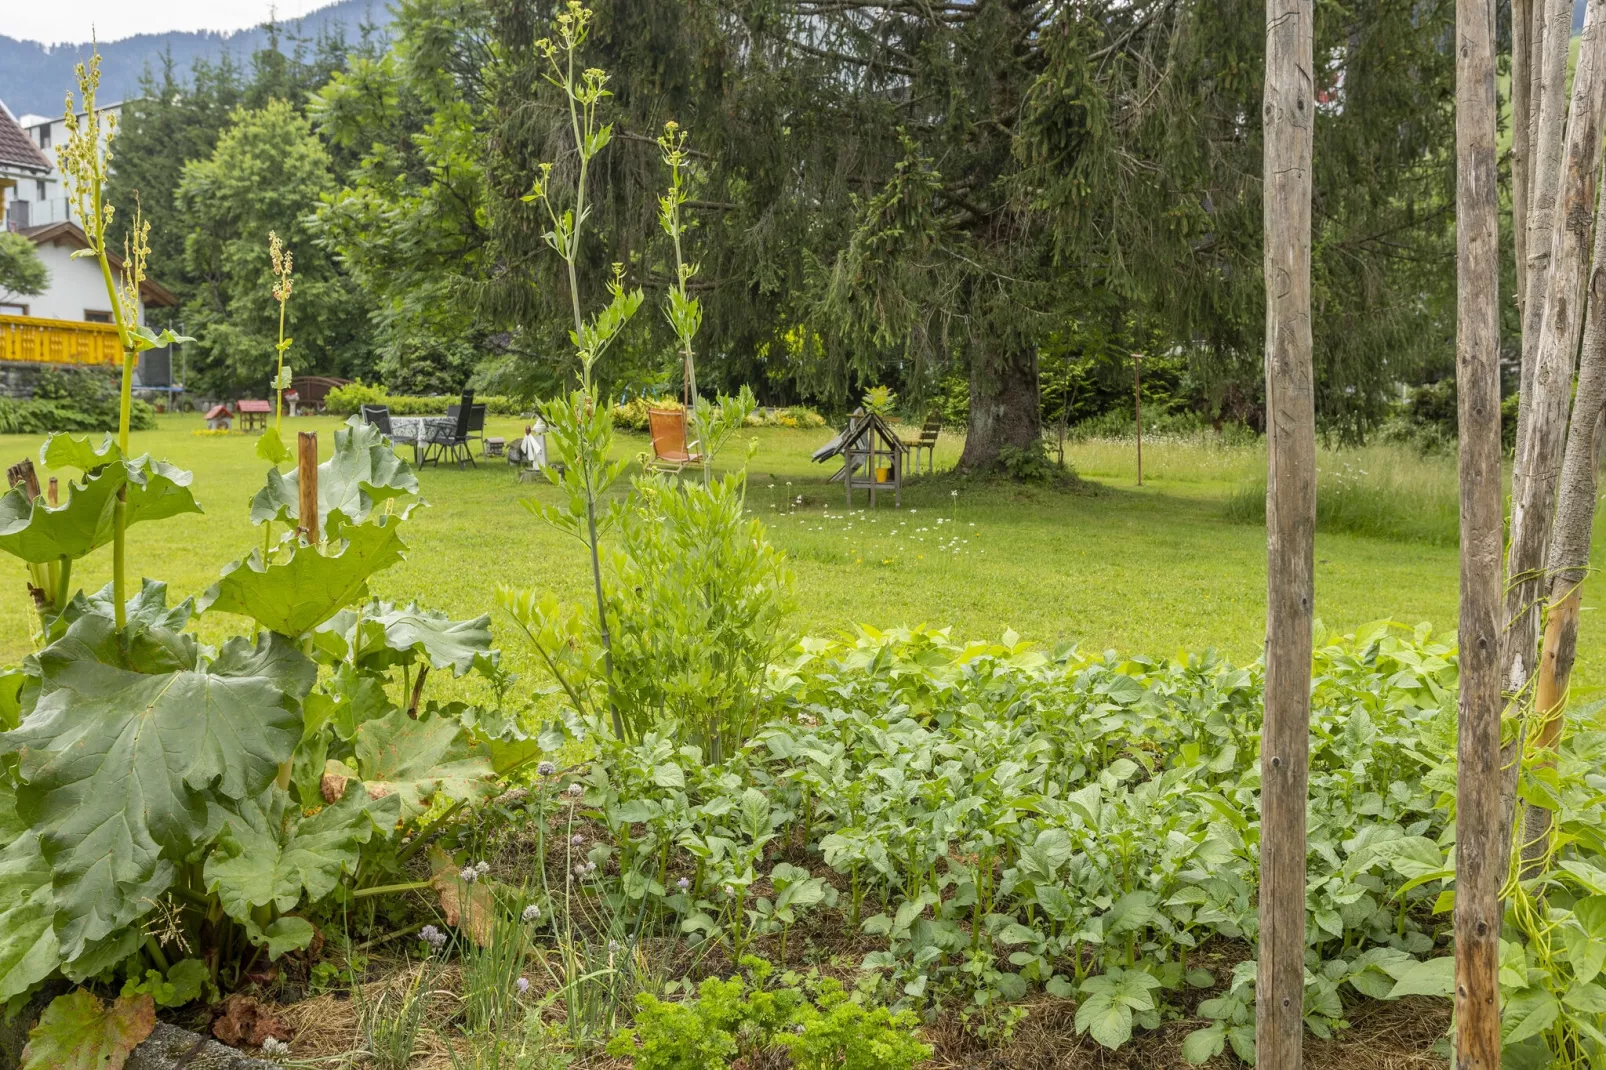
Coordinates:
[247,1022]
[79,1032]
[469,907]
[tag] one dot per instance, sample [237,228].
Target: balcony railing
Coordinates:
[41,341]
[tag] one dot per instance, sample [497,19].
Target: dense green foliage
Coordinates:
[22,273]
[1002,241]
[821,1029]
[70,400]
[349,399]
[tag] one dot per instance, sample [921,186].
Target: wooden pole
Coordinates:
[1290,531]
[1522,26]
[1481,854]
[307,483]
[1137,400]
[1558,308]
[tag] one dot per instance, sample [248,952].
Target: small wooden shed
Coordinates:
[253,414]
[218,417]
[872,457]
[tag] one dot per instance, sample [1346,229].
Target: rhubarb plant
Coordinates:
[172,809]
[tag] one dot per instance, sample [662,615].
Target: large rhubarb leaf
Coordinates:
[79,1032]
[381,635]
[38,532]
[28,951]
[118,767]
[299,587]
[362,471]
[417,760]
[269,853]
[62,450]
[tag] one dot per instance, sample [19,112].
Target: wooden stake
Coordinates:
[1481,853]
[54,493]
[1289,114]
[1137,400]
[307,482]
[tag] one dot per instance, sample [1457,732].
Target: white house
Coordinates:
[25,172]
[45,199]
[70,323]
[77,291]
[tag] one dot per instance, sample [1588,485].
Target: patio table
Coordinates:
[416,429]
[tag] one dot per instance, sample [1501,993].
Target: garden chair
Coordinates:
[926,440]
[378,416]
[451,439]
[670,451]
[476,425]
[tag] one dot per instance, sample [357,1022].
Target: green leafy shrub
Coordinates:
[697,611]
[349,399]
[1029,465]
[797,416]
[70,400]
[819,1027]
[632,415]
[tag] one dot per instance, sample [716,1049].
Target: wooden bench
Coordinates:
[927,440]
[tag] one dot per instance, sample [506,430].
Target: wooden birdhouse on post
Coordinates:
[872,457]
[218,418]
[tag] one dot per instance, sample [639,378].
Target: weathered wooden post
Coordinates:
[1137,402]
[1481,853]
[307,483]
[1289,114]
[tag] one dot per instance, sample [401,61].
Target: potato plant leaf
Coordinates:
[417,760]
[363,470]
[118,768]
[300,587]
[79,1032]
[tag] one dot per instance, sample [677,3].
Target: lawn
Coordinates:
[1158,569]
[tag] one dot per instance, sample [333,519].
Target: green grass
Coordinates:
[1157,569]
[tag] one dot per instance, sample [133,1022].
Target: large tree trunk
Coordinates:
[1004,403]
[1522,34]
[1570,544]
[1480,852]
[1290,531]
[1549,106]
[1560,308]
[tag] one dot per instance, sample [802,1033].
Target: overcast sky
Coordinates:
[111,20]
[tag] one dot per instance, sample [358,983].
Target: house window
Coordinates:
[44,136]
[39,189]
[91,316]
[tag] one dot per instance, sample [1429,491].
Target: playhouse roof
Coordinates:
[252,406]
[218,412]
[860,424]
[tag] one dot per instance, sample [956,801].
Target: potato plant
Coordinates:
[1002,820]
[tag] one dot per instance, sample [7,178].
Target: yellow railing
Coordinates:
[42,341]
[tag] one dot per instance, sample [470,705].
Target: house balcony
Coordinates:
[33,340]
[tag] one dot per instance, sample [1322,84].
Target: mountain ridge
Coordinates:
[34,77]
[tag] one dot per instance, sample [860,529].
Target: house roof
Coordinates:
[218,412]
[153,292]
[17,149]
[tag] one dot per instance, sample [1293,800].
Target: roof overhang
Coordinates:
[150,291]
